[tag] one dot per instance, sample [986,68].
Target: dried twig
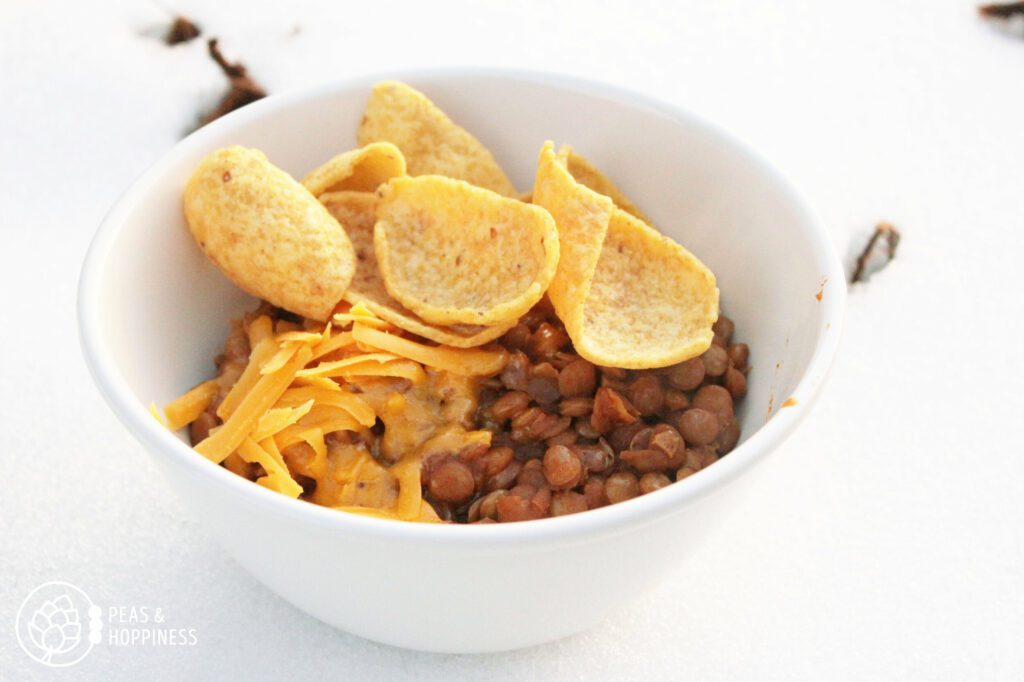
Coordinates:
[1003,10]
[891,237]
[181,31]
[244,90]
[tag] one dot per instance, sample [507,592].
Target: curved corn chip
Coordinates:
[629,297]
[582,217]
[361,170]
[431,142]
[587,175]
[267,233]
[454,253]
[357,212]
[651,302]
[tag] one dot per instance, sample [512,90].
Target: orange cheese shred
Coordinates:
[308,338]
[403,369]
[349,402]
[261,354]
[187,408]
[271,447]
[315,438]
[467,362]
[360,313]
[282,356]
[334,343]
[320,382]
[331,369]
[155,411]
[264,394]
[278,478]
[410,491]
[278,418]
[260,328]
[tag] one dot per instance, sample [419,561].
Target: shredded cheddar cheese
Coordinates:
[303,337]
[401,369]
[301,385]
[360,313]
[349,402]
[455,360]
[319,382]
[333,369]
[155,411]
[244,418]
[284,353]
[333,344]
[261,354]
[188,407]
[277,419]
[260,328]
[277,477]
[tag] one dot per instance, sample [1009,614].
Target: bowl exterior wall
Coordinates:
[463,600]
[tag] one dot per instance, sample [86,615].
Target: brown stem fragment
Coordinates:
[182,30]
[243,89]
[1002,10]
[883,232]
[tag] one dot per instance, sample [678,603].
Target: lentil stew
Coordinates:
[550,434]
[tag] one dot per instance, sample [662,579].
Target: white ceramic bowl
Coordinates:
[153,312]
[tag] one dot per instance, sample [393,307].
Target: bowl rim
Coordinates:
[612,519]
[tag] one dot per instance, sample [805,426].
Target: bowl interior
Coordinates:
[161,308]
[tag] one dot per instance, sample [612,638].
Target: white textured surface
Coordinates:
[885,540]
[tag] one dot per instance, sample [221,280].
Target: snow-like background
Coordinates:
[885,540]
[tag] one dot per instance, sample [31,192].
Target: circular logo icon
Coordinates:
[51,624]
